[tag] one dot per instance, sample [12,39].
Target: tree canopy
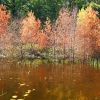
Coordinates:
[45,8]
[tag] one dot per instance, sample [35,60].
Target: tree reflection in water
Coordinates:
[49,81]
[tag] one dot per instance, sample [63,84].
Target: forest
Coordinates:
[49,49]
[57,29]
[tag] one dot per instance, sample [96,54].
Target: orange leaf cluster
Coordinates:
[42,40]
[4,16]
[30,27]
[32,33]
[88,29]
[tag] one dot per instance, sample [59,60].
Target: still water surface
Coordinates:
[48,81]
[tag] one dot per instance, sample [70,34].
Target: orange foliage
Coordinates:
[30,27]
[64,27]
[42,40]
[4,16]
[88,28]
[48,32]
[48,27]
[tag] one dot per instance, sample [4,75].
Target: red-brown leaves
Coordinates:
[4,16]
[30,27]
[43,39]
[88,28]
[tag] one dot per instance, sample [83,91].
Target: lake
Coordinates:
[39,80]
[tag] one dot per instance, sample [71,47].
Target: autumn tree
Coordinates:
[48,39]
[30,30]
[64,32]
[61,32]
[4,19]
[30,27]
[15,41]
[88,26]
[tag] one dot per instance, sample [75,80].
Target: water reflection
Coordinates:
[48,81]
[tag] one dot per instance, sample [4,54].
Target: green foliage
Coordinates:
[81,3]
[95,4]
[96,7]
[94,63]
[45,8]
[41,8]
[27,62]
[16,7]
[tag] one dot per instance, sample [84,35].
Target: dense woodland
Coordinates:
[53,29]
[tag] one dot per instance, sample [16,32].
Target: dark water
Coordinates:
[48,81]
